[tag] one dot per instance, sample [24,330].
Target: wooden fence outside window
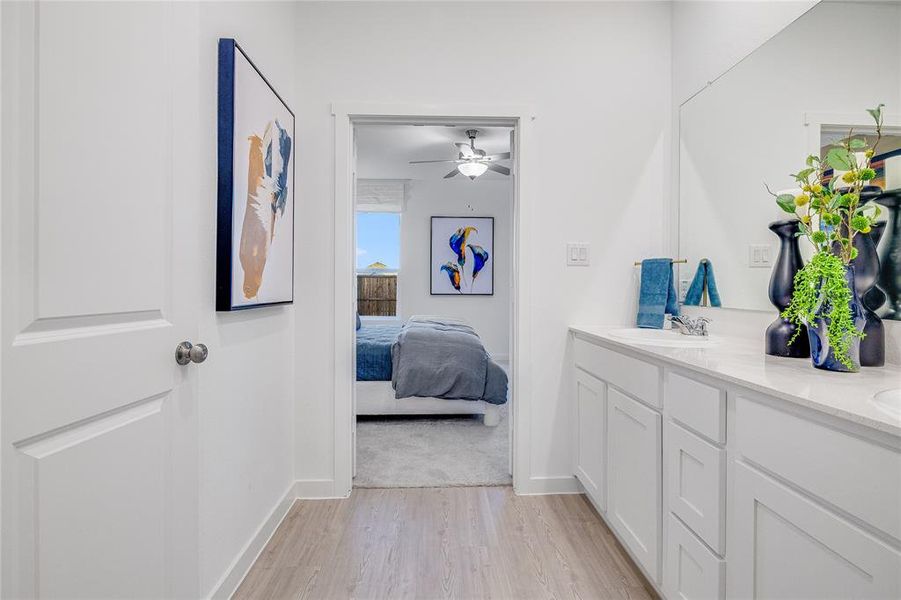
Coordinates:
[377,295]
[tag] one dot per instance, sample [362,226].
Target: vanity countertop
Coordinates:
[741,361]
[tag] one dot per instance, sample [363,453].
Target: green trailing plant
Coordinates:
[830,214]
[822,283]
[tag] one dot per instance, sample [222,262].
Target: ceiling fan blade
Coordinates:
[465,150]
[422,162]
[453,173]
[501,156]
[498,168]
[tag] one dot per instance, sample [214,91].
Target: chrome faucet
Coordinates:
[688,326]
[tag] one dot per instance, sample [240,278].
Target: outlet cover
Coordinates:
[683,289]
[577,255]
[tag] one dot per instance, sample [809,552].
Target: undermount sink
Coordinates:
[661,337]
[888,401]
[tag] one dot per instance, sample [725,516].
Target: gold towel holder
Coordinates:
[679,261]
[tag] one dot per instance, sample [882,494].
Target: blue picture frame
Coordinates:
[266,158]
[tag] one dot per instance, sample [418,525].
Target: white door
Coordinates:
[99,453]
[634,477]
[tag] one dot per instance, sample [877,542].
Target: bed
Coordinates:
[375,392]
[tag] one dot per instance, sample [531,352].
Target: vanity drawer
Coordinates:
[638,378]
[693,572]
[699,406]
[696,484]
[858,476]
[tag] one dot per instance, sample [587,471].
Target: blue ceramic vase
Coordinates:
[821,354]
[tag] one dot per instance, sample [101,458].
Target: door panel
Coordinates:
[102,158]
[99,458]
[85,484]
[591,436]
[634,477]
[784,545]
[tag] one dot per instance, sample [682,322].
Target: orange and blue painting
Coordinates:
[255,253]
[461,256]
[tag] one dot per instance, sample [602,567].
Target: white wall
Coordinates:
[598,76]
[711,36]
[247,385]
[489,315]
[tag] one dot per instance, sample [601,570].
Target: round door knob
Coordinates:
[186,352]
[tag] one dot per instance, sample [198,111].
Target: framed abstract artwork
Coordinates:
[462,256]
[255,237]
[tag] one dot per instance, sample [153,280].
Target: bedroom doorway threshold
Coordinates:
[406,464]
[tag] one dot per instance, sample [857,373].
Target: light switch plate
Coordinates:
[759,256]
[577,255]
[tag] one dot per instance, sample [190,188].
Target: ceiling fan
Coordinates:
[472,161]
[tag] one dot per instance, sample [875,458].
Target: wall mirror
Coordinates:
[798,93]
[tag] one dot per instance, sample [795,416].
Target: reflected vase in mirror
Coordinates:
[866,270]
[875,298]
[782,280]
[889,280]
[821,353]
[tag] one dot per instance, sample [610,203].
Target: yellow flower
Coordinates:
[849,177]
[869,153]
[817,189]
[801,199]
[805,219]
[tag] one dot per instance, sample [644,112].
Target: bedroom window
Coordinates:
[378,263]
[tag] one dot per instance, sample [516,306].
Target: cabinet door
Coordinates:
[696,484]
[634,478]
[692,571]
[590,427]
[784,545]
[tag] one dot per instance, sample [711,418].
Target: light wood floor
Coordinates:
[444,543]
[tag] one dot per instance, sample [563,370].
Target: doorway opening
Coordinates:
[400,283]
[433,215]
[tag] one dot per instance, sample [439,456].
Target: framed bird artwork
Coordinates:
[462,256]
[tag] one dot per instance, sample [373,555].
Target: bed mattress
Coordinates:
[374,352]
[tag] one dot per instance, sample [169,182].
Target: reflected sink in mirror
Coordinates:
[889,402]
[661,337]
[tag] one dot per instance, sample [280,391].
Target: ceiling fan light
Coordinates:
[472,169]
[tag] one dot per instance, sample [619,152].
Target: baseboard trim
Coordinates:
[316,489]
[239,568]
[540,486]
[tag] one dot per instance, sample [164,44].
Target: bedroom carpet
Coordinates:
[399,452]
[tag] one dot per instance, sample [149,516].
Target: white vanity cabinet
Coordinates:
[719,490]
[618,451]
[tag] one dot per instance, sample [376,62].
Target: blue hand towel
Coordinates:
[704,279]
[657,296]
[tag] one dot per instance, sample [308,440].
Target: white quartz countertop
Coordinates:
[742,361]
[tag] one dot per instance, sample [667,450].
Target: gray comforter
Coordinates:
[444,359]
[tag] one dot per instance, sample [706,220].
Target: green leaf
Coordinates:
[857,144]
[803,174]
[841,159]
[786,202]
[876,113]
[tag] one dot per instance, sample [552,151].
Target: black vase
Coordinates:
[890,256]
[866,270]
[782,284]
[875,298]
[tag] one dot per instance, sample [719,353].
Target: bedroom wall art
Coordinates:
[462,256]
[255,242]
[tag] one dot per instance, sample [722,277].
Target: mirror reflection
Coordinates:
[798,94]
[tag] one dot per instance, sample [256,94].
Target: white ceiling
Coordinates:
[385,151]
